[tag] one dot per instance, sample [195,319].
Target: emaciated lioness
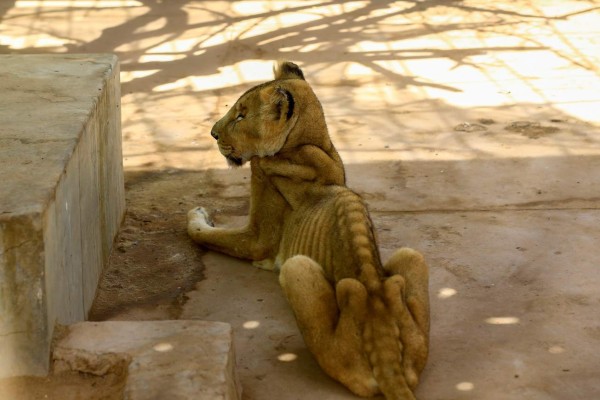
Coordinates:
[365,322]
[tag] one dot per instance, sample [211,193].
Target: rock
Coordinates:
[164,359]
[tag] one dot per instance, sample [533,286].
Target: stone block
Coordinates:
[61,196]
[176,360]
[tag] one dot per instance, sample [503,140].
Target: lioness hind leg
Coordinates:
[408,291]
[410,264]
[331,335]
[312,299]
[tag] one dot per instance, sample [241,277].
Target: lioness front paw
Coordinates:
[198,218]
[267,264]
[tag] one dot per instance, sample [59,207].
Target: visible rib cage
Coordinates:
[337,233]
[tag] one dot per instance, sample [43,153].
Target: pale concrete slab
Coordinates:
[513,299]
[62,195]
[178,360]
[552,182]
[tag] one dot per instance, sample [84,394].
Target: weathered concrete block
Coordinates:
[176,360]
[61,196]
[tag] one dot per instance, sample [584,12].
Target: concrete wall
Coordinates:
[61,196]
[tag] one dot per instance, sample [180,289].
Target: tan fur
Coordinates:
[367,324]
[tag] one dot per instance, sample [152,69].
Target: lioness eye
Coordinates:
[239,118]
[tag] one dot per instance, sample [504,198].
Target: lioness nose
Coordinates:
[214,134]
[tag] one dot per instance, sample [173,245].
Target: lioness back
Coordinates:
[333,228]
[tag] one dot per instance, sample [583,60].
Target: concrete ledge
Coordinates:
[61,197]
[164,359]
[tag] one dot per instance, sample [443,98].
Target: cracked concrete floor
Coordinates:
[471,128]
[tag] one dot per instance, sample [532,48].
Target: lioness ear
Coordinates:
[287,70]
[278,102]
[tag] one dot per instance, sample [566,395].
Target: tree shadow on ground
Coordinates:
[328,37]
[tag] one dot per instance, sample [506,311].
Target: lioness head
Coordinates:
[260,121]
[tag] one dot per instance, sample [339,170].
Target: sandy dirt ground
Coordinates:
[471,128]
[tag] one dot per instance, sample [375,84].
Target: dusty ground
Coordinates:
[154,264]
[471,128]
